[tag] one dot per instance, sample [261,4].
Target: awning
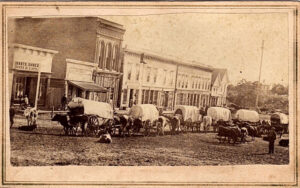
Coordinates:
[88,86]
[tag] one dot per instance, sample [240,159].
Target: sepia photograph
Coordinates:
[156,87]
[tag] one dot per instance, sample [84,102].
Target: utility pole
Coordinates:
[258,84]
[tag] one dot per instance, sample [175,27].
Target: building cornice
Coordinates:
[148,55]
[52,52]
[81,62]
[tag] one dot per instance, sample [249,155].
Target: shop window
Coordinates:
[143,97]
[155,97]
[151,97]
[124,96]
[136,96]
[146,97]
[19,87]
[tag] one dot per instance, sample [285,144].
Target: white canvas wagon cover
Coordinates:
[189,112]
[90,107]
[144,111]
[217,113]
[284,119]
[247,115]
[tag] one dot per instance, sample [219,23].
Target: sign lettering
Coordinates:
[26,66]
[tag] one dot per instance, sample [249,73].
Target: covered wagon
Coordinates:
[280,121]
[144,116]
[247,115]
[92,116]
[219,113]
[189,115]
[219,116]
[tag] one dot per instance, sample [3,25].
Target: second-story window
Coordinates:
[101,55]
[129,72]
[165,76]
[155,75]
[186,81]
[148,74]
[137,72]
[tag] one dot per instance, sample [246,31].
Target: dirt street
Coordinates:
[47,146]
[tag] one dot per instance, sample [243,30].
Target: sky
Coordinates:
[231,41]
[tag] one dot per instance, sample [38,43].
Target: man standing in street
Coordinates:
[271,139]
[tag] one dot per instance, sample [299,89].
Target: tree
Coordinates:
[244,95]
[279,89]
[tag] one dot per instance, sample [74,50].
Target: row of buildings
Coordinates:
[84,57]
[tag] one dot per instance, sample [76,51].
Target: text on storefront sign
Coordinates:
[27,66]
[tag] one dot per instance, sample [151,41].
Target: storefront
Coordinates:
[27,61]
[80,83]
[192,98]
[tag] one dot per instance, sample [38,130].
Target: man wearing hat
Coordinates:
[271,139]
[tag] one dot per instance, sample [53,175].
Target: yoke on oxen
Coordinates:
[145,116]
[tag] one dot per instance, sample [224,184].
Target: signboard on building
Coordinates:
[27,66]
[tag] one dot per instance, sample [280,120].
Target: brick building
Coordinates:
[87,60]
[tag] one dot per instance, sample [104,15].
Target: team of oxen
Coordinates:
[146,118]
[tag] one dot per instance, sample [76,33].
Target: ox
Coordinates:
[69,128]
[231,133]
[207,122]
[31,114]
[162,122]
[175,124]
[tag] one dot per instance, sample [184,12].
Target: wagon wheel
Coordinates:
[93,124]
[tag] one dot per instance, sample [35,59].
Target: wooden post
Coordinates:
[37,88]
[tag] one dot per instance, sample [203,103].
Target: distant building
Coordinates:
[150,78]
[219,82]
[87,60]
[193,84]
[265,88]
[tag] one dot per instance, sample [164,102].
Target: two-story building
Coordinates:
[150,78]
[219,85]
[87,60]
[193,84]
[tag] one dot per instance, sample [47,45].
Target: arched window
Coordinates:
[115,58]
[101,54]
[108,56]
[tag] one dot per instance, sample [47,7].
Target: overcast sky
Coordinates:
[231,41]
